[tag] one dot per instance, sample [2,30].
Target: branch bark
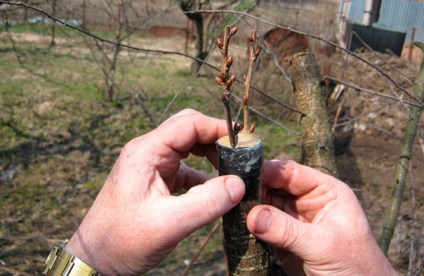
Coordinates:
[245,254]
[318,139]
[403,162]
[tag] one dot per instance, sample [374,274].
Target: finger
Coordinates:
[281,230]
[188,177]
[294,178]
[187,111]
[209,151]
[182,132]
[202,204]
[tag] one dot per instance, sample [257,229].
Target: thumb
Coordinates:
[281,230]
[203,204]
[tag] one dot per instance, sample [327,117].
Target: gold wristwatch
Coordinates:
[60,262]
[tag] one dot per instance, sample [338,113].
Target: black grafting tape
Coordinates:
[245,254]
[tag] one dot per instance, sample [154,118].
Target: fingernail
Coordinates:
[235,187]
[263,221]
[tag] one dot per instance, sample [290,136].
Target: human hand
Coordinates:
[135,220]
[315,223]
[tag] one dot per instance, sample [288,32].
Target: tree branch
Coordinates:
[403,163]
[224,80]
[381,71]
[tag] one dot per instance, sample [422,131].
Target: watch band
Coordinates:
[60,262]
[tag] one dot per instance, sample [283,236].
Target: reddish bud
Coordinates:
[231,80]
[219,43]
[233,31]
[218,80]
[244,77]
[252,128]
[257,52]
[245,100]
[229,61]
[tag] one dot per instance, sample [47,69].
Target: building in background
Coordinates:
[383,25]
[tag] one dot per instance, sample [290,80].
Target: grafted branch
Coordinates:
[253,52]
[242,155]
[224,80]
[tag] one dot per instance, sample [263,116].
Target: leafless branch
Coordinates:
[194,258]
[224,80]
[371,92]
[145,50]
[380,57]
[146,110]
[381,71]
[253,54]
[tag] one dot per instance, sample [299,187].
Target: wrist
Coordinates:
[87,253]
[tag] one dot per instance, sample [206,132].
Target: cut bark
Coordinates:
[318,144]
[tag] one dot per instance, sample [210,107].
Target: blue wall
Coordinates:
[395,15]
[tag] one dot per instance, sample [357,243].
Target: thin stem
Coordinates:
[225,81]
[372,92]
[193,259]
[319,38]
[139,49]
[403,163]
[253,51]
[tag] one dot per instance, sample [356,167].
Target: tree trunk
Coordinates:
[110,77]
[53,30]
[318,144]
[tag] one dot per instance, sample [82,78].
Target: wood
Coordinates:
[318,141]
[403,162]
[245,254]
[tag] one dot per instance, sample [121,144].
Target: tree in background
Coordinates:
[125,18]
[208,25]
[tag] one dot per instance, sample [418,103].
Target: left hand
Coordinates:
[135,220]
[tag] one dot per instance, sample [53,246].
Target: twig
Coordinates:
[253,54]
[134,48]
[224,80]
[422,144]
[267,117]
[336,118]
[194,258]
[414,240]
[146,110]
[276,62]
[380,57]
[381,71]
[371,92]
[382,130]
[403,164]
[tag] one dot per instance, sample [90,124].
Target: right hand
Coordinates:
[315,223]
